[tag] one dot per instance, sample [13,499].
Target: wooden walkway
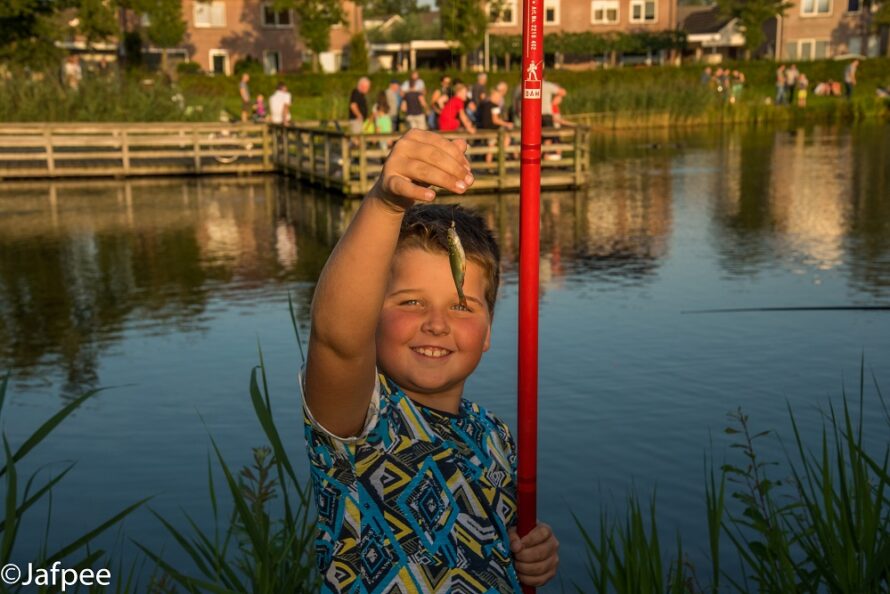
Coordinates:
[320,153]
[130,150]
[351,163]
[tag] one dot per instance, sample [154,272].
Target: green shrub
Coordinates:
[188,68]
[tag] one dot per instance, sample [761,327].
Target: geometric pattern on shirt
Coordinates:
[421,504]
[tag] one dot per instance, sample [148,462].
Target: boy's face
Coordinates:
[426,342]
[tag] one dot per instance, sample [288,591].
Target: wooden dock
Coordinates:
[351,163]
[320,153]
[132,150]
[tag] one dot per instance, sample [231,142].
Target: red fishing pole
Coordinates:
[529,253]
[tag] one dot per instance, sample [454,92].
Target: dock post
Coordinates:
[362,165]
[125,151]
[345,163]
[48,147]
[502,160]
[266,148]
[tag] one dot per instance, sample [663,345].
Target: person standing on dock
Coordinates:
[394,100]
[414,106]
[358,105]
[453,115]
[244,92]
[279,105]
[418,82]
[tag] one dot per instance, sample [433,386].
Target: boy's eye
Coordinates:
[410,302]
[460,307]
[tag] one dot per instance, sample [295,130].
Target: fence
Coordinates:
[125,150]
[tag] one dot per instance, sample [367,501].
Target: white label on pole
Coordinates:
[533,93]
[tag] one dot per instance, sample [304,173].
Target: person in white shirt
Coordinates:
[279,105]
[418,85]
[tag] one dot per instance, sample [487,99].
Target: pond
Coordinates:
[161,291]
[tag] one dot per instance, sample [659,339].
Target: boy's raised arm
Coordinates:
[346,307]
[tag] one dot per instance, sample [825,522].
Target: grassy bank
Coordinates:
[618,97]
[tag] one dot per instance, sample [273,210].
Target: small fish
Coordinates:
[458,260]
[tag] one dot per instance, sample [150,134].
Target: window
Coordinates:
[853,5]
[807,49]
[642,11]
[503,13]
[604,12]
[275,18]
[219,61]
[551,12]
[210,14]
[815,7]
[271,62]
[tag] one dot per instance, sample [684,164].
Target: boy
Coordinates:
[415,486]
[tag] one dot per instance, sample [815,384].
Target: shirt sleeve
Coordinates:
[371,417]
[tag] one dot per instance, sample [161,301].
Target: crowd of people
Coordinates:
[727,83]
[453,105]
[792,85]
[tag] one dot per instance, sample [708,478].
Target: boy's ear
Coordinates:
[486,344]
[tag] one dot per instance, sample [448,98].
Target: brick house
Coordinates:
[597,16]
[221,32]
[816,29]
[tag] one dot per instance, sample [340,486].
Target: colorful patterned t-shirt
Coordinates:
[419,502]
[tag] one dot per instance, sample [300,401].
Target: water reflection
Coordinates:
[82,262]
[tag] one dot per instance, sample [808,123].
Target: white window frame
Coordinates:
[513,6]
[815,12]
[812,41]
[642,5]
[227,65]
[554,4]
[276,24]
[209,24]
[605,5]
[266,53]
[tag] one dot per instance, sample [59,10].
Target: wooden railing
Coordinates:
[124,150]
[321,153]
[351,163]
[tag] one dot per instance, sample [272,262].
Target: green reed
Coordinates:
[21,496]
[826,528]
[265,545]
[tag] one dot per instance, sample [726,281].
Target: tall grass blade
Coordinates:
[89,536]
[293,319]
[47,427]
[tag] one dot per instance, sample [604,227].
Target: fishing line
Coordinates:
[791,308]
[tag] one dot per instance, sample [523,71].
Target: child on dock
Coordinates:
[415,486]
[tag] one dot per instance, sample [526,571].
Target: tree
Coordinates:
[387,8]
[166,27]
[465,22]
[28,30]
[97,20]
[752,15]
[358,53]
[316,17]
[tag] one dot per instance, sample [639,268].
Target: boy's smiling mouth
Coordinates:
[433,352]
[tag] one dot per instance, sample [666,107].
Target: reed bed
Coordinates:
[824,529]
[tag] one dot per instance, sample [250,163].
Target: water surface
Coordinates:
[163,289]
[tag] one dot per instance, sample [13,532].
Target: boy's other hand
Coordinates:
[418,160]
[535,555]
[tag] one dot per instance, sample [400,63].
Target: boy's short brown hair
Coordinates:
[425,226]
